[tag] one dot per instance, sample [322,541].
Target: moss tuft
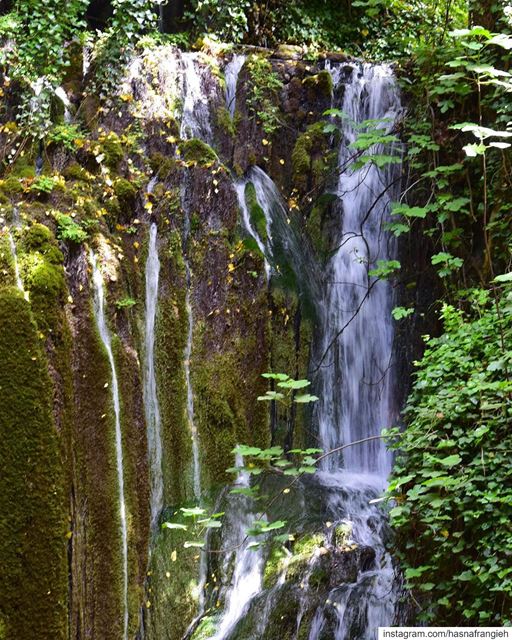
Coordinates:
[321,84]
[126,193]
[311,159]
[198,152]
[11,186]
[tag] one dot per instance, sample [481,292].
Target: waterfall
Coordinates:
[354,359]
[355,381]
[352,368]
[106,339]
[195,119]
[195,122]
[151,405]
[247,577]
[231,73]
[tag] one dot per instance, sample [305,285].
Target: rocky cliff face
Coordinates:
[60,547]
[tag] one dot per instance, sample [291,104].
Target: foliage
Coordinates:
[69,136]
[125,303]
[68,229]
[263,89]
[43,33]
[131,19]
[452,479]
[227,19]
[253,461]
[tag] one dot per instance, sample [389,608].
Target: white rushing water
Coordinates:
[195,118]
[355,381]
[231,73]
[106,339]
[354,356]
[14,254]
[152,408]
[247,576]
[195,123]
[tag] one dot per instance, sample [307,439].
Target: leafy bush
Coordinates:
[452,481]
[261,99]
[70,230]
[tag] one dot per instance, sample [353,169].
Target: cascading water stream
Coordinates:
[195,122]
[231,73]
[351,364]
[355,390]
[354,359]
[190,392]
[247,577]
[14,254]
[106,339]
[151,405]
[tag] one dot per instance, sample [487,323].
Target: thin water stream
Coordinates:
[106,339]
[151,405]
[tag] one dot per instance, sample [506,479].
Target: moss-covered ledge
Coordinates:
[33,589]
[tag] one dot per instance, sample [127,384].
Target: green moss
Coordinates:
[76,172]
[24,167]
[161,164]
[112,148]
[42,272]
[11,186]
[172,592]
[126,192]
[256,213]
[171,336]
[33,589]
[96,549]
[198,152]
[206,628]
[309,155]
[225,122]
[321,84]
[318,231]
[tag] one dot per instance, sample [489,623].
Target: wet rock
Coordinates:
[346,565]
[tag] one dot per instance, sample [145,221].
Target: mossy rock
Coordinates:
[33,546]
[312,158]
[196,151]
[161,164]
[225,122]
[321,84]
[126,192]
[74,171]
[11,186]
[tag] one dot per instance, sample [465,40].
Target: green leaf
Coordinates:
[275,376]
[271,395]
[399,313]
[504,277]
[174,525]
[192,512]
[451,461]
[294,384]
[306,398]
[246,450]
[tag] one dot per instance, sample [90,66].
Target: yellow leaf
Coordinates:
[265,142]
[174,555]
